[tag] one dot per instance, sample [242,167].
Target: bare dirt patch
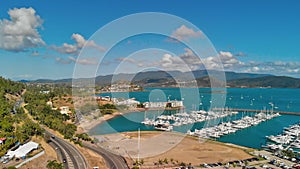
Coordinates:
[92,158]
[188,150]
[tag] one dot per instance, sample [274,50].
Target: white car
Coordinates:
[5,161]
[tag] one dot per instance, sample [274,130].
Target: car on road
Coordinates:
[64,160]
[5,161]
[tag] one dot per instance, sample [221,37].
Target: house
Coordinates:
[2,140]
[45,92]
[65,110]
[49,103]
[105,98]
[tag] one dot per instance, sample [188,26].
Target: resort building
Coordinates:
[169,104]
[174,104]
[155,104]
[129,102]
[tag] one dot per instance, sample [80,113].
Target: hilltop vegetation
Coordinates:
[171,79]
[37,107]
[18,126]
[268,81]
[14,124]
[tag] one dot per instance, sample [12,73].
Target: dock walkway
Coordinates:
[257,111]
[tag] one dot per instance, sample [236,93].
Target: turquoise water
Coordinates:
[246,98]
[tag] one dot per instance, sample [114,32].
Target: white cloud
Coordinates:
[129,60]
[276,67]
[189,61]
[21,31]
[134,61]
[67,49]
[240,54]
[84,61]
[170,62]
[80,42]
[62,60]
[81,61]
[186,61]
[185,33]
[229,60]
[255,69]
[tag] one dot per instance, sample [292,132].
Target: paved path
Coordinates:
[257,111]
[29,159]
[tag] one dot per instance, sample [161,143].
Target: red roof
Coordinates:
[2,139]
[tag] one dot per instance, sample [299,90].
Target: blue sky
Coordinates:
[249,36]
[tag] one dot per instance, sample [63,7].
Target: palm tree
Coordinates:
[50,164]
[172,160]
[166,161]
[142,162]
[160,161]
[53,164]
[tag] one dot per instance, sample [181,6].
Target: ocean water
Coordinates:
[205,98]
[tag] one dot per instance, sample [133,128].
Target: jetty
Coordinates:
[257,111]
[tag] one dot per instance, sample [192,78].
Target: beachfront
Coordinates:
[239,128]
[156,145]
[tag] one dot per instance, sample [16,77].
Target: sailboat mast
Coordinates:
[139,138]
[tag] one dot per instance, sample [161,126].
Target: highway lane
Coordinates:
[112,161]
[70,160]
[74,158]
[60,153]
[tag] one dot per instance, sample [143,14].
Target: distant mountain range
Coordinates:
[267,81]
[202,77]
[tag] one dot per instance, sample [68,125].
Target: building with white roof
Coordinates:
[169,104]
[129,102]
[65,110]
[23,150]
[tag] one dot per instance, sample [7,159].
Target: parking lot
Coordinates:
[267,160]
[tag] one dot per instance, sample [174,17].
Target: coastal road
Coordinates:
[112,161]
[59,152]
[74,158]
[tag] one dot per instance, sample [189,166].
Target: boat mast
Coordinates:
[139,138]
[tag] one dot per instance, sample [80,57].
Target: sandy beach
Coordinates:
[89,122]
[156,145]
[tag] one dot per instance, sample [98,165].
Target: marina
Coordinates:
[288,140]
[245,101]
[231,127]
[150,84]
[184,118]
[259,111]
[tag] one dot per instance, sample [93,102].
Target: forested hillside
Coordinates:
[37,107]
[15,127]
